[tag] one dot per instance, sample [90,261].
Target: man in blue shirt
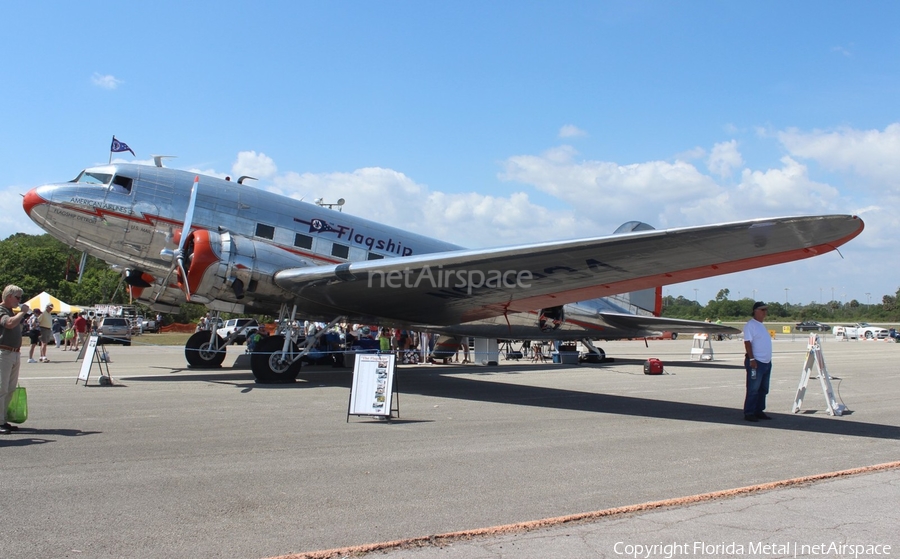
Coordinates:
[758,363]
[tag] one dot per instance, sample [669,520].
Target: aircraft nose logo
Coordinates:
[32,199]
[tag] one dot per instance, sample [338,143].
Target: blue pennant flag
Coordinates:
[120,146]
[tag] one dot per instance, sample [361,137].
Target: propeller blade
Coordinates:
[185,233]
[189,217]
[178,253]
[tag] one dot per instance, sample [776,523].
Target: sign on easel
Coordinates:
[89,352]
[373,386]
[815,356]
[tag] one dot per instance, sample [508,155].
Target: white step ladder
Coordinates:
[814,355]
[702,348]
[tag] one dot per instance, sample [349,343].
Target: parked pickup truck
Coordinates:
[245,327]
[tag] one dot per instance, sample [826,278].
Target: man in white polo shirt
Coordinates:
[758,363]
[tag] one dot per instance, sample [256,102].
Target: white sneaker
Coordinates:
[32,361]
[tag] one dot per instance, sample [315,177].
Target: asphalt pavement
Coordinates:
[520,460]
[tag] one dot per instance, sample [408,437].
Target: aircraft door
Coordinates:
[132,211]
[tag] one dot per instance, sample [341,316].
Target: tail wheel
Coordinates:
[201,353]
[270,365]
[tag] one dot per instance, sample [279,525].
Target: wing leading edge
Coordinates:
[460,286]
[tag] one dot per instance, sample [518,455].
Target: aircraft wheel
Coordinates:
[268,363]
[199,352]
[592,357]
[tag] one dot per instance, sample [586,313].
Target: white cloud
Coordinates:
[724,158]
[842,50]
[106,81]
[254,164]
[609,192]
[787,190]
[872,154]
[571,131]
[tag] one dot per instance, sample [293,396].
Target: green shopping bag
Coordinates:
[18,406]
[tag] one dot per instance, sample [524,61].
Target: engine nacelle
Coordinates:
[228,267]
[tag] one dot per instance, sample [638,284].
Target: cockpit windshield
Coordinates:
[93,177]
[116,182]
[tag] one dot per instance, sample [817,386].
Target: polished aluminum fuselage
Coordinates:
[129,229]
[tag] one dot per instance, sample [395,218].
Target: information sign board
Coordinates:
[372,387]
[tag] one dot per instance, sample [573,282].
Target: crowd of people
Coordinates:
[66,332]
[409,347]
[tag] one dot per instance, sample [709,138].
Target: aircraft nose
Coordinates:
[32,199]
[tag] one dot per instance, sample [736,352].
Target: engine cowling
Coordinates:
[229,267]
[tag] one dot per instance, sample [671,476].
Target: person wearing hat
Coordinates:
[758,363]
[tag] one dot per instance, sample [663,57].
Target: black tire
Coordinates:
[198,353]
[674,335]
[869,335]
[267,364]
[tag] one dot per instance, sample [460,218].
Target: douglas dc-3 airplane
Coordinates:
[239,249]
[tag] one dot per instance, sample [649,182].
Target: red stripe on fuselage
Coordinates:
[33,199]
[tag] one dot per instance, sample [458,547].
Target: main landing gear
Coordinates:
[270,362]
[277,358]
[594,354]
[205,350]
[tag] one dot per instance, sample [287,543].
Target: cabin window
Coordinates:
[341,251]
[265,231]
[303,241]
[121,184]
[375,256]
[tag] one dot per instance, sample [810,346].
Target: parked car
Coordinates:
[869,332]
[114,330]
[861,330]
[149,325]
[244,326]
[812,326]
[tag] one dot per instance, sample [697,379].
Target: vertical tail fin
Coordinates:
[646,300]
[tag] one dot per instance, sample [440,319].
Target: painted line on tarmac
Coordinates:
[450,537]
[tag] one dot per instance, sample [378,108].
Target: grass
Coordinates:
[163,338]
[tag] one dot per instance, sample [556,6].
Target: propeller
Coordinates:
[177,255]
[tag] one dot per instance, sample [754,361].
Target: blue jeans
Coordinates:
[755,401]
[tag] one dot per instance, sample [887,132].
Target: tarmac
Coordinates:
[518,460]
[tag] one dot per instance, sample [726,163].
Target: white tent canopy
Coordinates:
[43,299]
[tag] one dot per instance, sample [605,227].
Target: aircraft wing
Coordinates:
[662,324]
[454,287]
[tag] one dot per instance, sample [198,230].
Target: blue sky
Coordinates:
[487,123]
